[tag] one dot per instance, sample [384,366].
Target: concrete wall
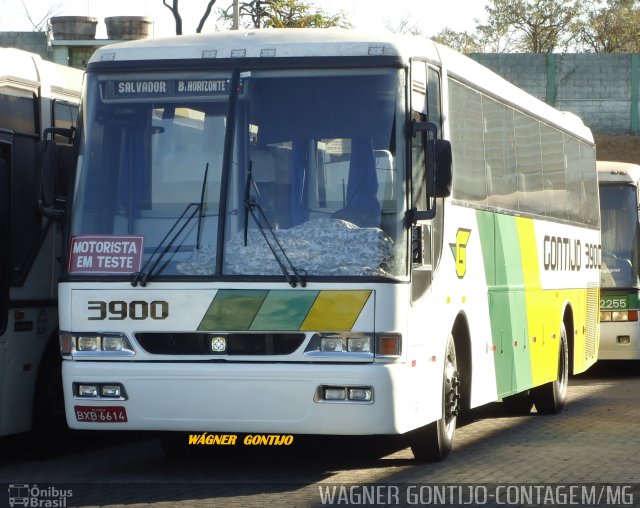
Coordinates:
[35,42]
[600,88]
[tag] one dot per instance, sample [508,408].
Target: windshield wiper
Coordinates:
[260,218]
[204,188]
[142,276]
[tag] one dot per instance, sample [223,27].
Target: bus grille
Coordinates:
[237,344]
[591,333]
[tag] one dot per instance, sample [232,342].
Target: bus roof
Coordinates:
[337,42]
[18,67]
[618,172]
[277,42]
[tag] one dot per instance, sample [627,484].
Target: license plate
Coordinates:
[112,414]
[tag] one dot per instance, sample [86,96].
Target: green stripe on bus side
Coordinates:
[507,304]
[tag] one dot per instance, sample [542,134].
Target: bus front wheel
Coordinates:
[434,441]
[550,398]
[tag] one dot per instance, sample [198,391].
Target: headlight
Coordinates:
[113,343]
[348,345]
[94,345]
[619,315]
[331,344]
[87,343]
[359,344]
[345,345]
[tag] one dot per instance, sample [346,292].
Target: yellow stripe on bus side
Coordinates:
[544,312]
[335,310]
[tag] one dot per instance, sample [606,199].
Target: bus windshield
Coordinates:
[208,176]
[620,235]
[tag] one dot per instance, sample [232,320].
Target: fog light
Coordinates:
[335,393]
[87,344]
[87,390]
[331,344]
[623,339]
[111,391]
[365,393]
[112,343]
[359,345]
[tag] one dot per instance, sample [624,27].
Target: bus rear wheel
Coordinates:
[550,398]
[434,441]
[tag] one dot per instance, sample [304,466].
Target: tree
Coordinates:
[284,14]
[44,25]
[464,42]
[404,27]
[612,28]
[536,26]
[175,11]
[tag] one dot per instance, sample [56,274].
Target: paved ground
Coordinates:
[587,455]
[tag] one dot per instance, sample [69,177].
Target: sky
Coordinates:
[430,16]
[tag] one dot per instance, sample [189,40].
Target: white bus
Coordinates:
[322,232]
[35,95]
[619,282]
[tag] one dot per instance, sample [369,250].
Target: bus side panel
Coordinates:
[465,270]
[526,307]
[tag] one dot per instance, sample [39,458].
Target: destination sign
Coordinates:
[163,88]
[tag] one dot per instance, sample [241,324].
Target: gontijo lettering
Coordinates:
[567,254]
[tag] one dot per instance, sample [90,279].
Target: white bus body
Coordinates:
[380,306]
[34,95]
[619,283]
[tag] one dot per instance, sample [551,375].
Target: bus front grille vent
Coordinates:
[224,344]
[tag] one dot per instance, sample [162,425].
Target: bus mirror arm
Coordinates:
[413,215]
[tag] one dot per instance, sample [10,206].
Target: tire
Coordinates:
[550,398]
[434,441]
[519,404]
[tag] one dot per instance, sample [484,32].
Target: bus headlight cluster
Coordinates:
[362,345]
[351,344]
[88,345]
[618,315]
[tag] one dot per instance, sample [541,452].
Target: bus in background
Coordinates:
[619,283]
[35,96]
[322,232]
